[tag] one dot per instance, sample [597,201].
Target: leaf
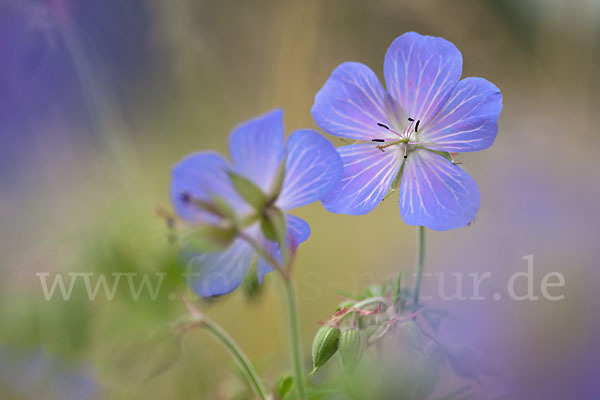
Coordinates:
[249,191]
[283,386]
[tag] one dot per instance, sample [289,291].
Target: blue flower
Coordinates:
[404,134]
[312,169]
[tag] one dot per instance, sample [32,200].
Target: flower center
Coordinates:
[405,137]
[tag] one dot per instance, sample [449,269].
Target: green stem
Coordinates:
[239,356]
[420,263]
[294,328]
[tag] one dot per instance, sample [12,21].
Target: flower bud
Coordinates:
[325,345]
[352,346]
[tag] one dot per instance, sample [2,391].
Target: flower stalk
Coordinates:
[420,264]
[198,320]
[238,355]
[294,332]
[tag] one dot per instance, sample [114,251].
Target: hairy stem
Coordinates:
[420,263]
[239,356]
[294,331]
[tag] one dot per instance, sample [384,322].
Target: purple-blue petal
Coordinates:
[420,73]
[368,175]
[298,231]
[214,274]
[352,102]
[469,119]
[201,176]
[256,148]
[313,168]
[436,193]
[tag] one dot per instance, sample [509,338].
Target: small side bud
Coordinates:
[325,345]
[352,345]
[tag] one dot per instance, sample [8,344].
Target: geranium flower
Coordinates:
[407,132]
[312,169]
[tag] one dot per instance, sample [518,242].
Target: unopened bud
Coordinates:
[325,345]
[352,346]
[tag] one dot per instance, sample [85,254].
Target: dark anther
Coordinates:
[417,126]
[378,140]
[383,125]
[405,156]
[186,197]
[411,120]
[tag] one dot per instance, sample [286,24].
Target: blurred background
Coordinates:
[98,99]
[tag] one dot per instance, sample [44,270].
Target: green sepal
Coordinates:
[249,191]
[325,345]
[223,209]
[273,225]
[278,182]
[444,154]
[250,285]
[210,238]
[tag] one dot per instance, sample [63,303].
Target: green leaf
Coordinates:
[273,225]
[210,238]
[283,386]
[278,183]
[249,191]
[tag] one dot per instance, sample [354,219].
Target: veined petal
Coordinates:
[213,274]
[298,231]
[420,73]
[469,119]
[436,193]
[352,102]
[368,175]
[201,176]
[256,148]
[313,168]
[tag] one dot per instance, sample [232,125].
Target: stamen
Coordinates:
[388,128]
[407,132]
[378,140]
[417,126]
